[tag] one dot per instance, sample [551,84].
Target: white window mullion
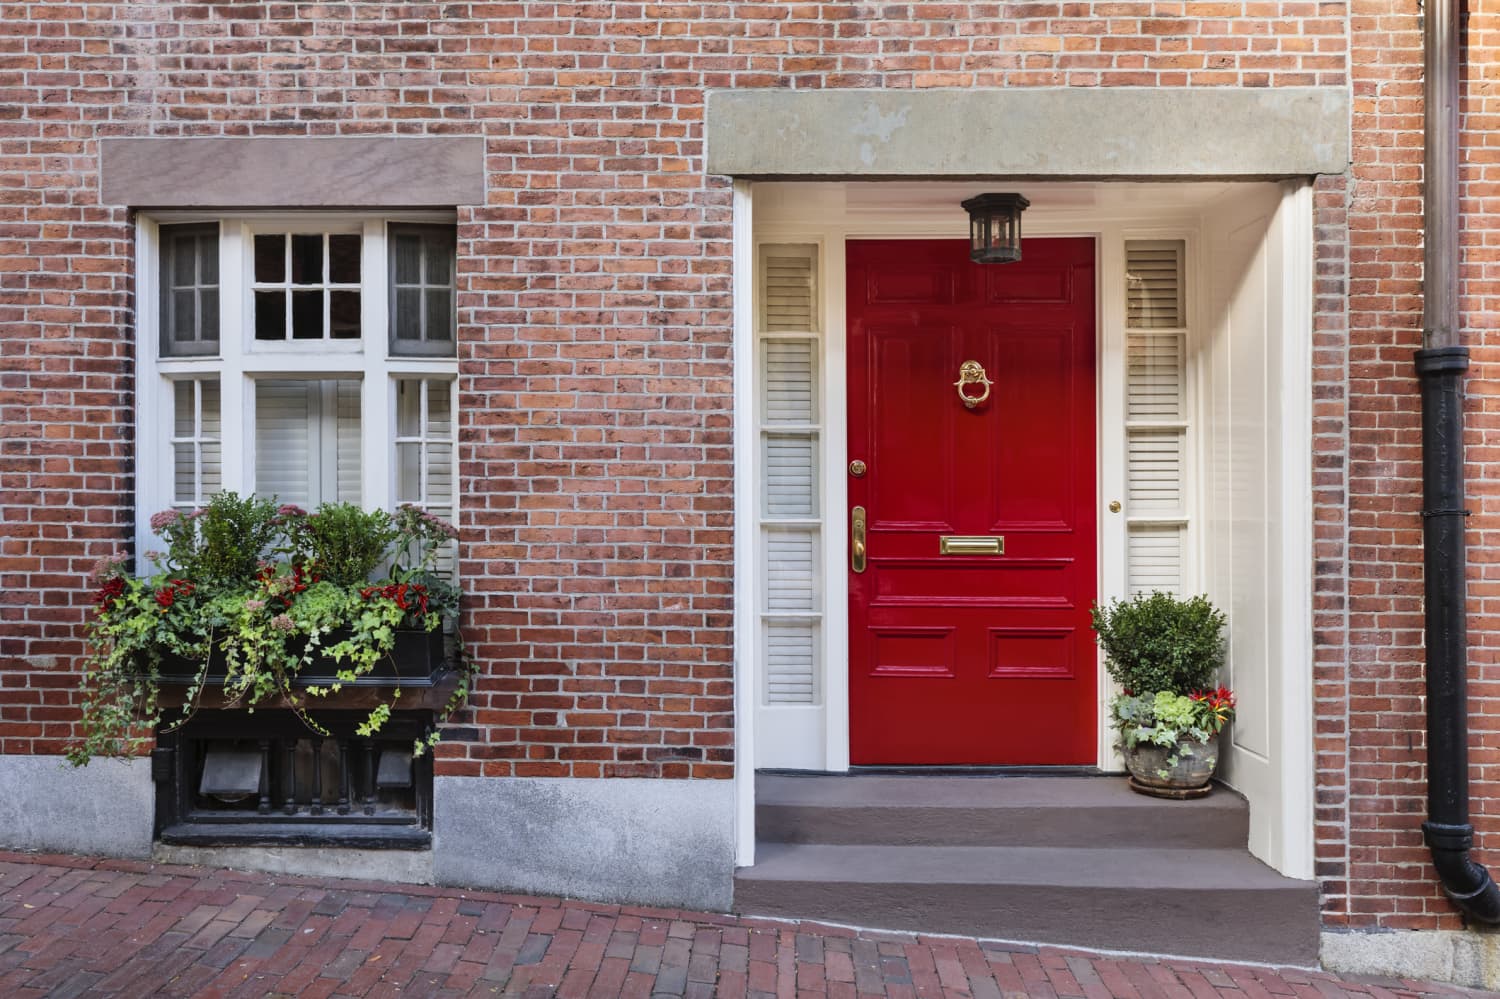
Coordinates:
[236,394]
[378,392]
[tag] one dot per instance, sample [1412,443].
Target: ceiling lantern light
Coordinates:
[995,227]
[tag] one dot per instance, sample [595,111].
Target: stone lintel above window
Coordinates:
[293,172]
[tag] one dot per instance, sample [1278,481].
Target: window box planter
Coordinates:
[270,591]
[416,661]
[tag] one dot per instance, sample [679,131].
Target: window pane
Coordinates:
[211,470]
[307,258]
[307,315]
[439,314]
[208,314]
[439,262]
[286,439]
[408,314]
[408,259]
[343,315]
[439,474]
[408,473]
[188,285]
[184,262]
[408,407]
[184,474]
[439,415]
[270,258]
[270,315]
[184,312]
[308,441]
[183,417]
[208,259]
[348,446]
[209,391]
[343,259]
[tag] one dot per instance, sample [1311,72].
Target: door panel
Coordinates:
[972,658]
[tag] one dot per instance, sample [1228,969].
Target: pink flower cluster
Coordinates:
[438,524]
[164,519]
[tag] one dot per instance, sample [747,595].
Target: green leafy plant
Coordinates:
[267,591]
[223,542]
[346,544]
[1181,723]
[1161,642]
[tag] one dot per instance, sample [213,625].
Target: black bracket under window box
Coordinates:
[229,777]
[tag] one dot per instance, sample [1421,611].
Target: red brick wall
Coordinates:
[1371,752]
[595,303]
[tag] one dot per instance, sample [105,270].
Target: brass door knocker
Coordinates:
[972,373]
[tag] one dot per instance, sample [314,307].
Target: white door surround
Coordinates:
[815,735]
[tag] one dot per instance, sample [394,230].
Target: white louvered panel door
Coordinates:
[790,453]
[1156,410]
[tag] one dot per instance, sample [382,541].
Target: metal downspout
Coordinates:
[1440,367]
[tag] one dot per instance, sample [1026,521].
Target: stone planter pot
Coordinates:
[418,657]
[1152,773]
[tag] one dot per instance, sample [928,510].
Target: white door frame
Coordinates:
[817,214]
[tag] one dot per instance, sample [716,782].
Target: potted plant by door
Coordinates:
[1165,653]
[269,606]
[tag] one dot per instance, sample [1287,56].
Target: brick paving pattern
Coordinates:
[77,926]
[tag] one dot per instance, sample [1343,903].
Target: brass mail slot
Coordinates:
[971,544]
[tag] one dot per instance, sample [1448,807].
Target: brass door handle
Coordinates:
[857,539]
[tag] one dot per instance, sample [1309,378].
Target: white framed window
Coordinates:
[309,357]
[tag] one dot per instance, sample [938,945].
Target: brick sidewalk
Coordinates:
[76,926]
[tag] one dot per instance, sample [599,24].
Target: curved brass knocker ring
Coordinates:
[972,373]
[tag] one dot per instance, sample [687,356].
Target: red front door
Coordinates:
[983,655]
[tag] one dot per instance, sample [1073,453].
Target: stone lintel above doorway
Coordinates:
[293,171]
[1126,133]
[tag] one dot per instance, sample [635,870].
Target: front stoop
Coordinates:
[1080,861]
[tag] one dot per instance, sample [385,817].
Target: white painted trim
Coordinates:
[1110,441]
[821,214]
[241,359]
[746,527]
[1297,749]
[834,368]
[830,228]
[150,430]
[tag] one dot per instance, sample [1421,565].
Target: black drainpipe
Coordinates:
[1440,367]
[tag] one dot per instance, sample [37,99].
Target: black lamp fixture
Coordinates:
[995,227]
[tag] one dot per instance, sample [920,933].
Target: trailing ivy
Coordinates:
[269,591]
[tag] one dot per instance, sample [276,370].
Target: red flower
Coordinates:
[111,590]
[165,596]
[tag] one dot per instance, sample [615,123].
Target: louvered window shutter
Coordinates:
[791,447]
[1156,414]
[307,440]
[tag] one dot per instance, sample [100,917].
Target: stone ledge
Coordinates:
[1054,133]
[292,172]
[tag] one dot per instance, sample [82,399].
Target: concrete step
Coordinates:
[1081,812]
[1219,903]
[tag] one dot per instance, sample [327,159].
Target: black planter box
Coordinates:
[418,657]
